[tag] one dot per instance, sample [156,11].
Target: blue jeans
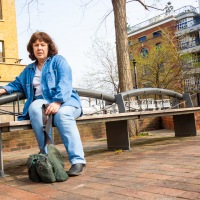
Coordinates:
[65,121]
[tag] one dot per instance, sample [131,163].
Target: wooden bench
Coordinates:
[117,126]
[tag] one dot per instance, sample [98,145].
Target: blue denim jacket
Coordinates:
[56,84]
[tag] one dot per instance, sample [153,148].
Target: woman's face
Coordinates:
[40,50]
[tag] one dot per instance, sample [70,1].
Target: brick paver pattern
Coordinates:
[159,167]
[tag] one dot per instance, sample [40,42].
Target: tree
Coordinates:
[106,73]
[103,75]
[161,66]
[124,71]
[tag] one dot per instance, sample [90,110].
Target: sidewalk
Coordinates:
[159,167]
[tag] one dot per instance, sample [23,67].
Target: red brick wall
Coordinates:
[18,140]
[197,116]
[136,47]
[149,124]
[167,122]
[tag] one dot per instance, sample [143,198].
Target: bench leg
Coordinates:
[2,174]
[184,125]
[117,135]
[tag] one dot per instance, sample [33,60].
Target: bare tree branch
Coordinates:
[145,6]
[109,12]
[104,74]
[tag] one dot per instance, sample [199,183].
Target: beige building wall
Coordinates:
[8,28]
[10,66]
[8,72]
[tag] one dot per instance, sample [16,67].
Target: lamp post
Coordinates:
[135,72]
[134,69]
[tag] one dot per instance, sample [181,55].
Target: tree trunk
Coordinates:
[124,71]
[125,79]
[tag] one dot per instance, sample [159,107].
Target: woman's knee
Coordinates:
[36,107]
[63,116]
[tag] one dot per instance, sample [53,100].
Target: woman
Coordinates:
[49,80]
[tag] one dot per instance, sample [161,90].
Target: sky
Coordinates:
[74,26]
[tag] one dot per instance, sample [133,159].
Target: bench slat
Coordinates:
[25,124]
[168,112]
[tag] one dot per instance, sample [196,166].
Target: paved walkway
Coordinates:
[159,167]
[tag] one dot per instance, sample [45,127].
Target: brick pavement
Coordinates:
[159,167]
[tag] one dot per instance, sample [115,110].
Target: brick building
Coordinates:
[184,25]
[10,65]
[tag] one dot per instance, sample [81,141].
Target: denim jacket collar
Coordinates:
[34,64]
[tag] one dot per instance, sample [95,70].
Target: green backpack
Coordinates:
[47,168]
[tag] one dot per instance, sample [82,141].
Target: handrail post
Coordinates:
[146,100]
[18,104]
[14,110]
[188,100]
[2,174]
[120,103]
[162,100]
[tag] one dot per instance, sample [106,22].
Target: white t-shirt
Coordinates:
[37,82]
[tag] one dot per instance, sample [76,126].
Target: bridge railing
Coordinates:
[136,94]
[104,102]
[132,100]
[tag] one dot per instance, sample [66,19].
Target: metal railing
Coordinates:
[15,60]
[189,44]
[121,102]
[188,24]
[104,99]
[121,98]
[162,16]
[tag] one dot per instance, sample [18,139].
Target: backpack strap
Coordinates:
[47,123]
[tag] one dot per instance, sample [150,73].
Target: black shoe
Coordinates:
[76,169]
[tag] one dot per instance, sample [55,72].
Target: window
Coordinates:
[144,52]
[157,34]
[142,39]
[1,15]
[158,46]
[182,24]
[1,51]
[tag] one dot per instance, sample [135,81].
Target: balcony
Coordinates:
[190,46]
[188,27]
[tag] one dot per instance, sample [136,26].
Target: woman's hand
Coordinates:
[2,91]
[53,108]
